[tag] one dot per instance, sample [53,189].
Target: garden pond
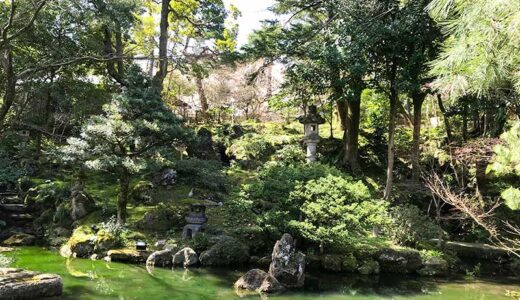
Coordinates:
[88,279]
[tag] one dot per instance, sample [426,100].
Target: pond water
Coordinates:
[87,279]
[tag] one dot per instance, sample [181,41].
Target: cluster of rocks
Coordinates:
[287,270]
[225,251]
[22,284]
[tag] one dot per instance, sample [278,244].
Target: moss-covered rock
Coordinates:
[434,266]
[20,239]
[128,255]
[369,267]
[227,251]
[339,262]
[399,260]
[84,242]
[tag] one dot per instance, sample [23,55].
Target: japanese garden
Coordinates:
[284,149]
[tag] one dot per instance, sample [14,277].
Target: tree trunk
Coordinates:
[352,143]
[464,122]
[418,100]
[446,118]
[343,118]
[10,86]
[119,52]
[124,186]
[204,106]
[391,139]
[163,45]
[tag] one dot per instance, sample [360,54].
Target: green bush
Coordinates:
[204,174]
[199,242]
[334,210]
[410,225]
[276,180]
[290,154]
[251,146]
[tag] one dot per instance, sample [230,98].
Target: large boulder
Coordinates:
[81,202]
[19,239]
[434,266]
[21,284]
[161,258]
[166,178]
[227,251]
[339,262]
[287,265]
[259,281]
[369,267]
[399,261]
[84,242]
[185,257]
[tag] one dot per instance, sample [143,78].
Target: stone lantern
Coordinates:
[311,122]
[195,221]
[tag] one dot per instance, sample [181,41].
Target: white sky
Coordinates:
[253,11]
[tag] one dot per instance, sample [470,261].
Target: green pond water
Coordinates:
[87,279]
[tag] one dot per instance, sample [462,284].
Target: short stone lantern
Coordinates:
[311,122]
[195,221]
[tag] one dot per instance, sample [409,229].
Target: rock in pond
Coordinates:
[128,255]
[22,284]
[227,251]
[185,257]
[399,261]
[287,266]
[434,266]
[20,239]
[161,258]
[259,281]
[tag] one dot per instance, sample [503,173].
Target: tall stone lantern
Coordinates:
[311,122]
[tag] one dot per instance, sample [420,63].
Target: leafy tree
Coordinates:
[130,135]
[506,162]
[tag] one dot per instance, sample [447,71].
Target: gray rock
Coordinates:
[161,258]
[82,204]
[185,257]
[259,281]
[399,261]
[287,266]
[21,284]
[227,251]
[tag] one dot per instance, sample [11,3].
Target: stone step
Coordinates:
[13,207]
[11,200]
[20,217]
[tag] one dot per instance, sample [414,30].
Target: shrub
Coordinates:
[251,146]
[199,242]
[334,210]
[410,225]
[290,154]
[205,174]
[113,230]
